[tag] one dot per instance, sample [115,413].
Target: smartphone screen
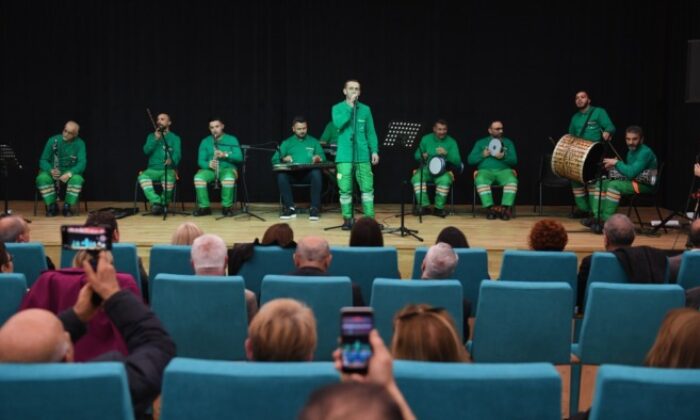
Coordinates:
[89,238]
[355,326]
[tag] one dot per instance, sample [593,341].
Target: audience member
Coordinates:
[427,334]
[439,263]
[453,237]
[313,257]
[185,234]
[209,258]
[674,263]
[548,235]
[6,265]
[16,229]
[283,331]
[677,344]
[366,232]
[38,336]
[279,234]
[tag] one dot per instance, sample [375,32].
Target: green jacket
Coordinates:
[330,134]
[227,143]
[509,160]
[71,155]
[636,161]
[366,141]
[301,150]
[155,150]
[599,122]
[430,142]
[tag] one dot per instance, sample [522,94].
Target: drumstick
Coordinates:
[615,151]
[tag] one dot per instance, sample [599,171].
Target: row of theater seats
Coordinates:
[214,389]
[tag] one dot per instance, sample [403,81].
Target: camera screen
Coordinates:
[89,238]
[356,349]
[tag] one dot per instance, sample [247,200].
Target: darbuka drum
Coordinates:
[437,165]
[647,176]
[576,159]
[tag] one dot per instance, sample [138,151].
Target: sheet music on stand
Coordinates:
[402,134]
[8,159]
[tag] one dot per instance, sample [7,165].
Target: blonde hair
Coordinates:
[677,344]
[424,333]
[284,330]
[185,234]
[82,256]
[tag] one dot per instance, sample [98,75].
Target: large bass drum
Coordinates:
[576,159]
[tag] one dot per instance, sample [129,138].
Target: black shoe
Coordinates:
[227,211]
[440,213]
[156,209]
[506,213]
[579,214]
[492,214]
[314,214]
[51,210]
[588,222]
[67,211]
[347,224]
[288,213]
[202,211]
[596,228]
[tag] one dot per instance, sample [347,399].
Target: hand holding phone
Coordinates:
[356,350]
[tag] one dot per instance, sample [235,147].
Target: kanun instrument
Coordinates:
[291,167]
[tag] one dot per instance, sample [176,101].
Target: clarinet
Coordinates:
[56,165]
[216,171]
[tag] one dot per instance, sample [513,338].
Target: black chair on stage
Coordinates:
[547,179]
[634,200]
[159,184]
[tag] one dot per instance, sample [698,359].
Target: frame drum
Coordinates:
[437,165]
[576,159]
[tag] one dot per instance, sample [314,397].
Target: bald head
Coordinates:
[618,232]
[34,336]
[313,251]
[14,229]
[71,130]
[440,262]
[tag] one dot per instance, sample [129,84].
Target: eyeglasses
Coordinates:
[420,311]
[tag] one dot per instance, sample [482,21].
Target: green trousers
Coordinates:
[502,177]
[146,179]
[365,178]
[613,190]
[228,185]
[580,196]
[443,183]
[45,185]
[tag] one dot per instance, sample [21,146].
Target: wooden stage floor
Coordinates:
[494,235]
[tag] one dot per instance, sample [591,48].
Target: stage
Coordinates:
[494,235]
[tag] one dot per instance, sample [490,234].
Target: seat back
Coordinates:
[363,264]
[246,390]
[658,393]
[126,260]
[480,391]
[606,268]
[621,321]
[266,260]
[324,295]
[689,271]
[521,265]
[28,258]
[170,259]
[472,268]
[205,315]
[13,287]
[391,295]
[523,322]
[65,391]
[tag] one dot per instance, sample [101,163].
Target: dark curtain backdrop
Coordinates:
[258,64]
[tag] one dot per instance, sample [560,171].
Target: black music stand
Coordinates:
[692,194]
[8,160]
[403,135]
[242,182]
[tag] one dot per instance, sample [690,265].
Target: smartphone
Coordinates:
[87,238]
[355,326]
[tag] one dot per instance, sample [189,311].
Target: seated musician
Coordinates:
[299,149]
[436,144]
[640,158]
[495,157]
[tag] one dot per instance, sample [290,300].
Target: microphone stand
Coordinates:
[164,196]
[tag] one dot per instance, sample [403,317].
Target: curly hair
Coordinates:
[548,235]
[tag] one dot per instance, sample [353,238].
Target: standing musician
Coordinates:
[639,158]
[495,158]
[440,145]
[592,124]
[218,156]
[63,160]
[357,147]
[158,159]
[299,149]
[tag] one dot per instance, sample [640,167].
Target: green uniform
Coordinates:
[429,145]
[635,162]
[330,134]
[356,149]
[68,156]
[228,171]
[598,122]
[491,170]
[155,150]
[301,150]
